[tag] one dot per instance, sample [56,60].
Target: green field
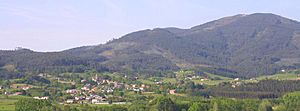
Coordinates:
[283,76]
[218,76]
[169,80]
[210,82]
[280,76]
[8,104]
[145,81]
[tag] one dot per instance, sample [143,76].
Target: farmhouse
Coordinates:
[41,98]
[72,91]
[70,101]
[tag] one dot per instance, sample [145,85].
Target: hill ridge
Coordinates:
[236,46]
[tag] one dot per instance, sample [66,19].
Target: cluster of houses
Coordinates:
[23,87]
[17,86]
[94,99]
[89,93]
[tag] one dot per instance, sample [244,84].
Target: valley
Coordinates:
[236,63]
[110,90]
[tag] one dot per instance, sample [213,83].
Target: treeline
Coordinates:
[262,89]
[5,75]
[53,62]
[81,60]
[289,102]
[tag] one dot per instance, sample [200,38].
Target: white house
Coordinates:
[79,98]
[70,101]
[109,90]
[26,87]
[136,89]
[72,91]
[94,101]
[41,98]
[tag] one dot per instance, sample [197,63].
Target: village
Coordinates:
[99,89]
[101,92]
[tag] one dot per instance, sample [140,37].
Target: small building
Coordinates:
[109,90]
[94,89]
[88,98]
[158,83]
[204,79]
[133,85]
[118,85]
[86,87]
[70,101]
[143,85]
[233,86]
[173,91]
[83,81]
[298,77]
[18,93]
[94,101]
[14,86]
[41,98]
[136,89]
[72,91]
[79,98]
[25,87]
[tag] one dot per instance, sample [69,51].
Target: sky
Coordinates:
[55,25]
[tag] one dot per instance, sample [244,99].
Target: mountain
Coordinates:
[235,46]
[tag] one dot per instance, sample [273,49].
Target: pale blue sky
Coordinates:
[53,25]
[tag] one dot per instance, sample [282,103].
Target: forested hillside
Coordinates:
[236,46]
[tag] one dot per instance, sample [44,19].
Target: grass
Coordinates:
[145,81]
[8,104]
[169,80]
[208,82]
[165,80]
[282,76]
[218,76]
[211,82]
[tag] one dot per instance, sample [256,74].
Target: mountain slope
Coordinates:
[237,46]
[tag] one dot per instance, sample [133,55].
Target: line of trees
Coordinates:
[262,89]
[289,102]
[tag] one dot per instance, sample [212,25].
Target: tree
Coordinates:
[165,104]
[215,107]
[138,106]
[33,105]
[291,101]
[46,93]
[199,107]
[122,93]
[265,105]
[110,101]
[7,83]
[250,105]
